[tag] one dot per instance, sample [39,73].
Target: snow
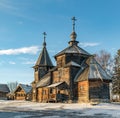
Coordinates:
[79,109]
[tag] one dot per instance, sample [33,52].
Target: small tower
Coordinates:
[43,63]
[73,35]
[42,66]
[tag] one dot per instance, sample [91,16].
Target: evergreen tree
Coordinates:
[116,76]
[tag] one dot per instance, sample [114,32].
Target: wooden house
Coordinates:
[77,77]
[4,90]
[22,92]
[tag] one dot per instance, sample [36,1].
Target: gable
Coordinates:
[23,88]
[19,89]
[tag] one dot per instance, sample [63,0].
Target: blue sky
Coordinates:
[22,23]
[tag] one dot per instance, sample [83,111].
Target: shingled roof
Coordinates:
[45,81]
[26,88]
[44,58]
[73,49]
[91,70]
[4,88]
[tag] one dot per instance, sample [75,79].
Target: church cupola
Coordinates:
[73,35]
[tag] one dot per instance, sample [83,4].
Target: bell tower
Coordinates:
[43,63]
[42,66]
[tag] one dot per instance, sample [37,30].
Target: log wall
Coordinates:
[20,95]
[42,94]
[99,91]
[74,57]
[83,94]
[62,74]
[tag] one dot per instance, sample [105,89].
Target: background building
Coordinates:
[23,92]
[4,90]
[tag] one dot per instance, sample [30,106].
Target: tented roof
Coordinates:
[73,49]
[96,71]
[44,59]
[91,70]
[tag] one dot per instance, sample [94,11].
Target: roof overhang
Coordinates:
[55,85]
[43,82]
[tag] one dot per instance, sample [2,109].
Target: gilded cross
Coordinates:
[74,19]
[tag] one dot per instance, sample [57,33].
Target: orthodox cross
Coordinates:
[74,19]
[44,33]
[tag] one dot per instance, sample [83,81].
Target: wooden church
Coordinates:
[77,76]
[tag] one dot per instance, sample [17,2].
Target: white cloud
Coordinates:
[12,63]
[87,44]
[23,50]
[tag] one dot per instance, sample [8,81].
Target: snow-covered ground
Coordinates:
[26,109]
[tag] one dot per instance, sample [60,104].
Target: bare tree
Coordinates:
[12,85]
[105,60]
